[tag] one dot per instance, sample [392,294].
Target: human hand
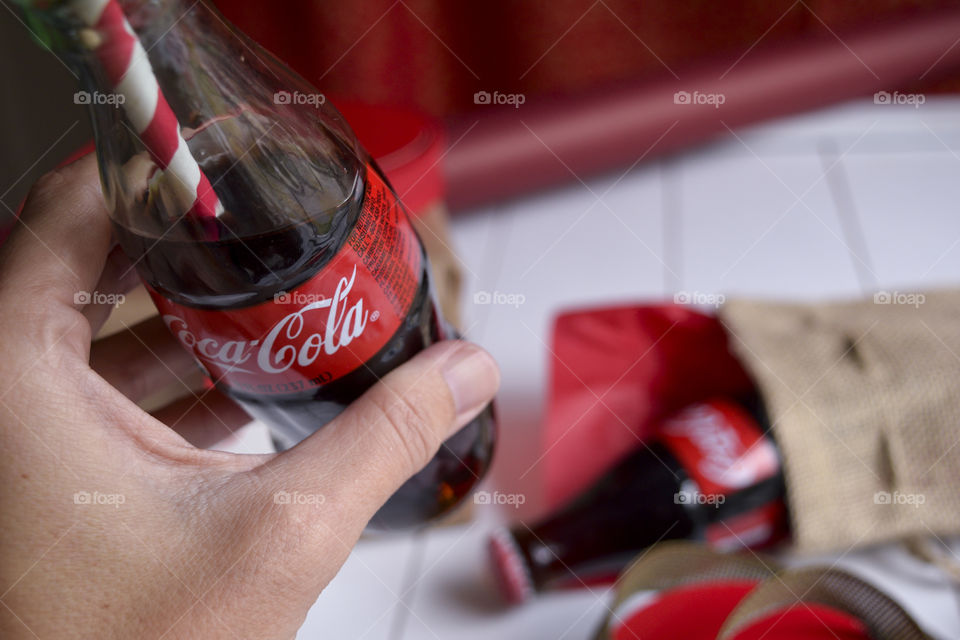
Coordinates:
[116,526]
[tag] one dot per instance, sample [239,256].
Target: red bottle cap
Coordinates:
[408,146]
[509,567]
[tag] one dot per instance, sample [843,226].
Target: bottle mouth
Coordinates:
[510,568]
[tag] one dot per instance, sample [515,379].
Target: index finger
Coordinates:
[59,245]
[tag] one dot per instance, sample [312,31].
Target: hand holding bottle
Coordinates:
[116,526]
[272,244]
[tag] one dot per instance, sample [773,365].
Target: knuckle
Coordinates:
[46,187]
[49,181]
[410,419]
[74,188]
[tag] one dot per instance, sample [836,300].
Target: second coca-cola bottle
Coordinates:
[712,474]
[291,271]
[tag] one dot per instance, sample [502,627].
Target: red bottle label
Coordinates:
[325,328]
[721,447]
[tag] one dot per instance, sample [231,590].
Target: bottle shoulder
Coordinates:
[241,269]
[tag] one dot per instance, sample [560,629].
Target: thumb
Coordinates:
[363,456]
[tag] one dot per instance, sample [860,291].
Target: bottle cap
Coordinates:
[510,569]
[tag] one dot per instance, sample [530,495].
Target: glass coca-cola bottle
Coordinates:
[271,243]
[712,474]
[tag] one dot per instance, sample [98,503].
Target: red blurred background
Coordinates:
[434,55]
[597,76]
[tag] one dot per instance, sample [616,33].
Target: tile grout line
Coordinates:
[671,226]
[409,586]
[494,256]
[851,226]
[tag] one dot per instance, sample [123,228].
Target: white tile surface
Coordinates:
[891,128]
[456,598]
[580,245]
[908,205]
[365,598]
[761,226]
[250,438]
[919,587]
[723,219]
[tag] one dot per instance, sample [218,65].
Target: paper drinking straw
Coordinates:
[128,69]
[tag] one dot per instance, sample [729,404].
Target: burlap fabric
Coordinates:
[864,400]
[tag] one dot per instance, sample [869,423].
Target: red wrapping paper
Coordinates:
[615,373]
[699,611]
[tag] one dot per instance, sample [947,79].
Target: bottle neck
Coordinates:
[187,49]
[179,98]
[631,507]
[661,492]
[74,30]
[155,20]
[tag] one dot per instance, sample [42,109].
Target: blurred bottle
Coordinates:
[712,475]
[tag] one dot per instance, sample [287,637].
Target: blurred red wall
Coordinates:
[435,54]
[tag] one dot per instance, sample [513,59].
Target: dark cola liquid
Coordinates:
[243,268]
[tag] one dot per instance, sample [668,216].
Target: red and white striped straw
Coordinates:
[127,67]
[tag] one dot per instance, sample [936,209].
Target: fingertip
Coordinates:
[61,241]
[62,182]
[471,374]
[404,418]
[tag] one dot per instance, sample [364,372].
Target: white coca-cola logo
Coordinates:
[723,458]
[289,341]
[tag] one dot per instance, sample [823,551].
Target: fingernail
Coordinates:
[473,378]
